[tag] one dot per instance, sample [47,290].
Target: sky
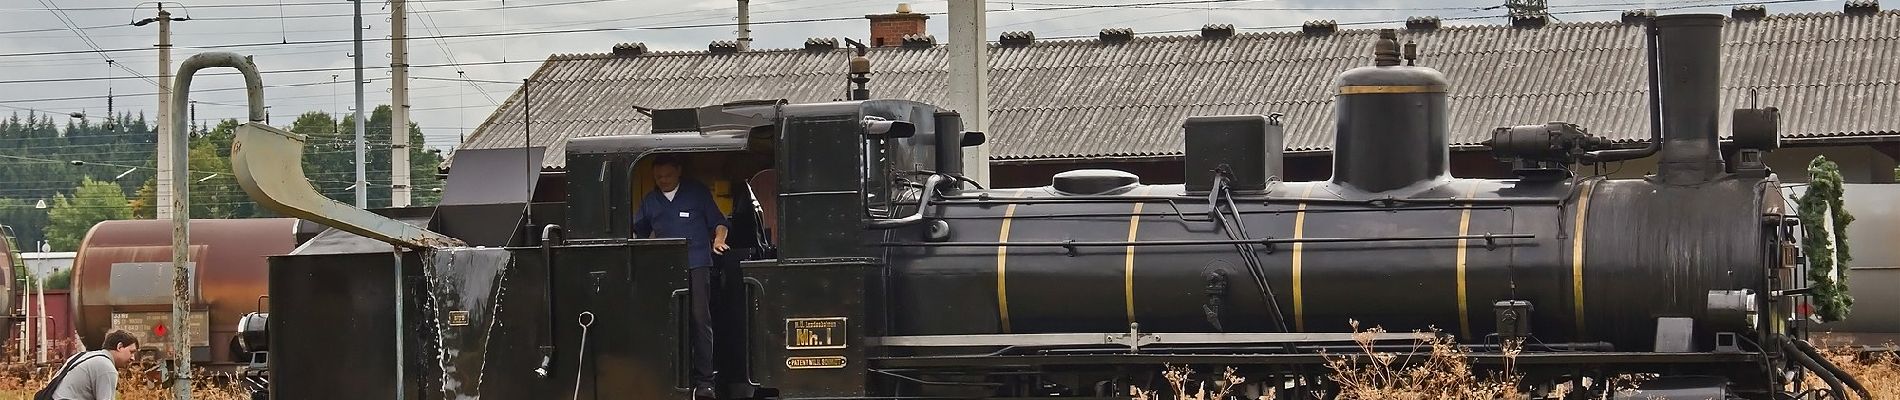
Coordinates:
[467,56]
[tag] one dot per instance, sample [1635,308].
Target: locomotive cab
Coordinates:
[862,163]
[805,186]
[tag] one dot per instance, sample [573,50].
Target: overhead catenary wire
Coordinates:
[428,24]
[617,29]
[74,27]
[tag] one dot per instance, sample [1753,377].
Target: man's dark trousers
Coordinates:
[704,283]
[708,286]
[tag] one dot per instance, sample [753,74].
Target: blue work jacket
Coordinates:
[691,214]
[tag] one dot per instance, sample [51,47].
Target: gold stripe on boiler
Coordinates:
[1002,264]
[1576,250]
[1299,294]
[1128,270]
[1464,228]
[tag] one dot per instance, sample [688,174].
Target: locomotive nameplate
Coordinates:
[814,333]
[820,362]
[458,318]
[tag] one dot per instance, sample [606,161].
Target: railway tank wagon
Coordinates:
[122,280]
[9,290]
[866,268]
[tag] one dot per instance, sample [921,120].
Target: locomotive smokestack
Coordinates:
[1391,130]
[1689,68]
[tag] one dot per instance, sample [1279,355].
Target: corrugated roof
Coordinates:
[1831,74]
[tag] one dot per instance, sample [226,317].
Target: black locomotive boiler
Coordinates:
[869,269]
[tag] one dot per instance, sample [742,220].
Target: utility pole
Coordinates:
[165,116]
[745,25]
[399,121]
[362,186]
[970,81]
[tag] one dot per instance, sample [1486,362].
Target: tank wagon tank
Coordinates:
[122,280]
[10,258]
[866,268]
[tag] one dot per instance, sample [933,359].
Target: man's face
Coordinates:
[667,177]
[122,356]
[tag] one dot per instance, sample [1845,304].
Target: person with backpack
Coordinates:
[92,375]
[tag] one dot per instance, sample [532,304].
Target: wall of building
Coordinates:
[43,264]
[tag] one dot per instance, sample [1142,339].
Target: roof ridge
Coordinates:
[1257,33]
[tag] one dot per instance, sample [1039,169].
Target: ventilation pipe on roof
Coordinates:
[1749,12]
[1861,7]
[821,44]
[1017,38]
[1319,28]
[1217,31]
[625,50]
[919,41]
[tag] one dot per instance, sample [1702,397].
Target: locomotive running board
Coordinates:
[269,166]
[1132,340]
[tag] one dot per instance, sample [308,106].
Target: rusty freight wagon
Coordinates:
[122,280]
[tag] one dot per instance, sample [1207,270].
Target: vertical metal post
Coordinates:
[970,81]
[41,290]
[399,121]
[181,228]
[400,328]
[181,233]
[362,185]
[165,153]
[527,145]
[26,331]
[745,25]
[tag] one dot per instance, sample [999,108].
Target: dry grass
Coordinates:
[19,380]
[1879,371]
[1446,373]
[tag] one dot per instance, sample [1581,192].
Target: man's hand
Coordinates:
[719,247]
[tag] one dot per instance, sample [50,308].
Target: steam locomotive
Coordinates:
[871,269]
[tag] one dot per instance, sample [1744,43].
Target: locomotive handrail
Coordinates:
[931,186]
[1489,239]
[1133,339]
[985,198]
[1242,212]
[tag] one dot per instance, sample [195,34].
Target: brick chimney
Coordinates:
[888,30]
